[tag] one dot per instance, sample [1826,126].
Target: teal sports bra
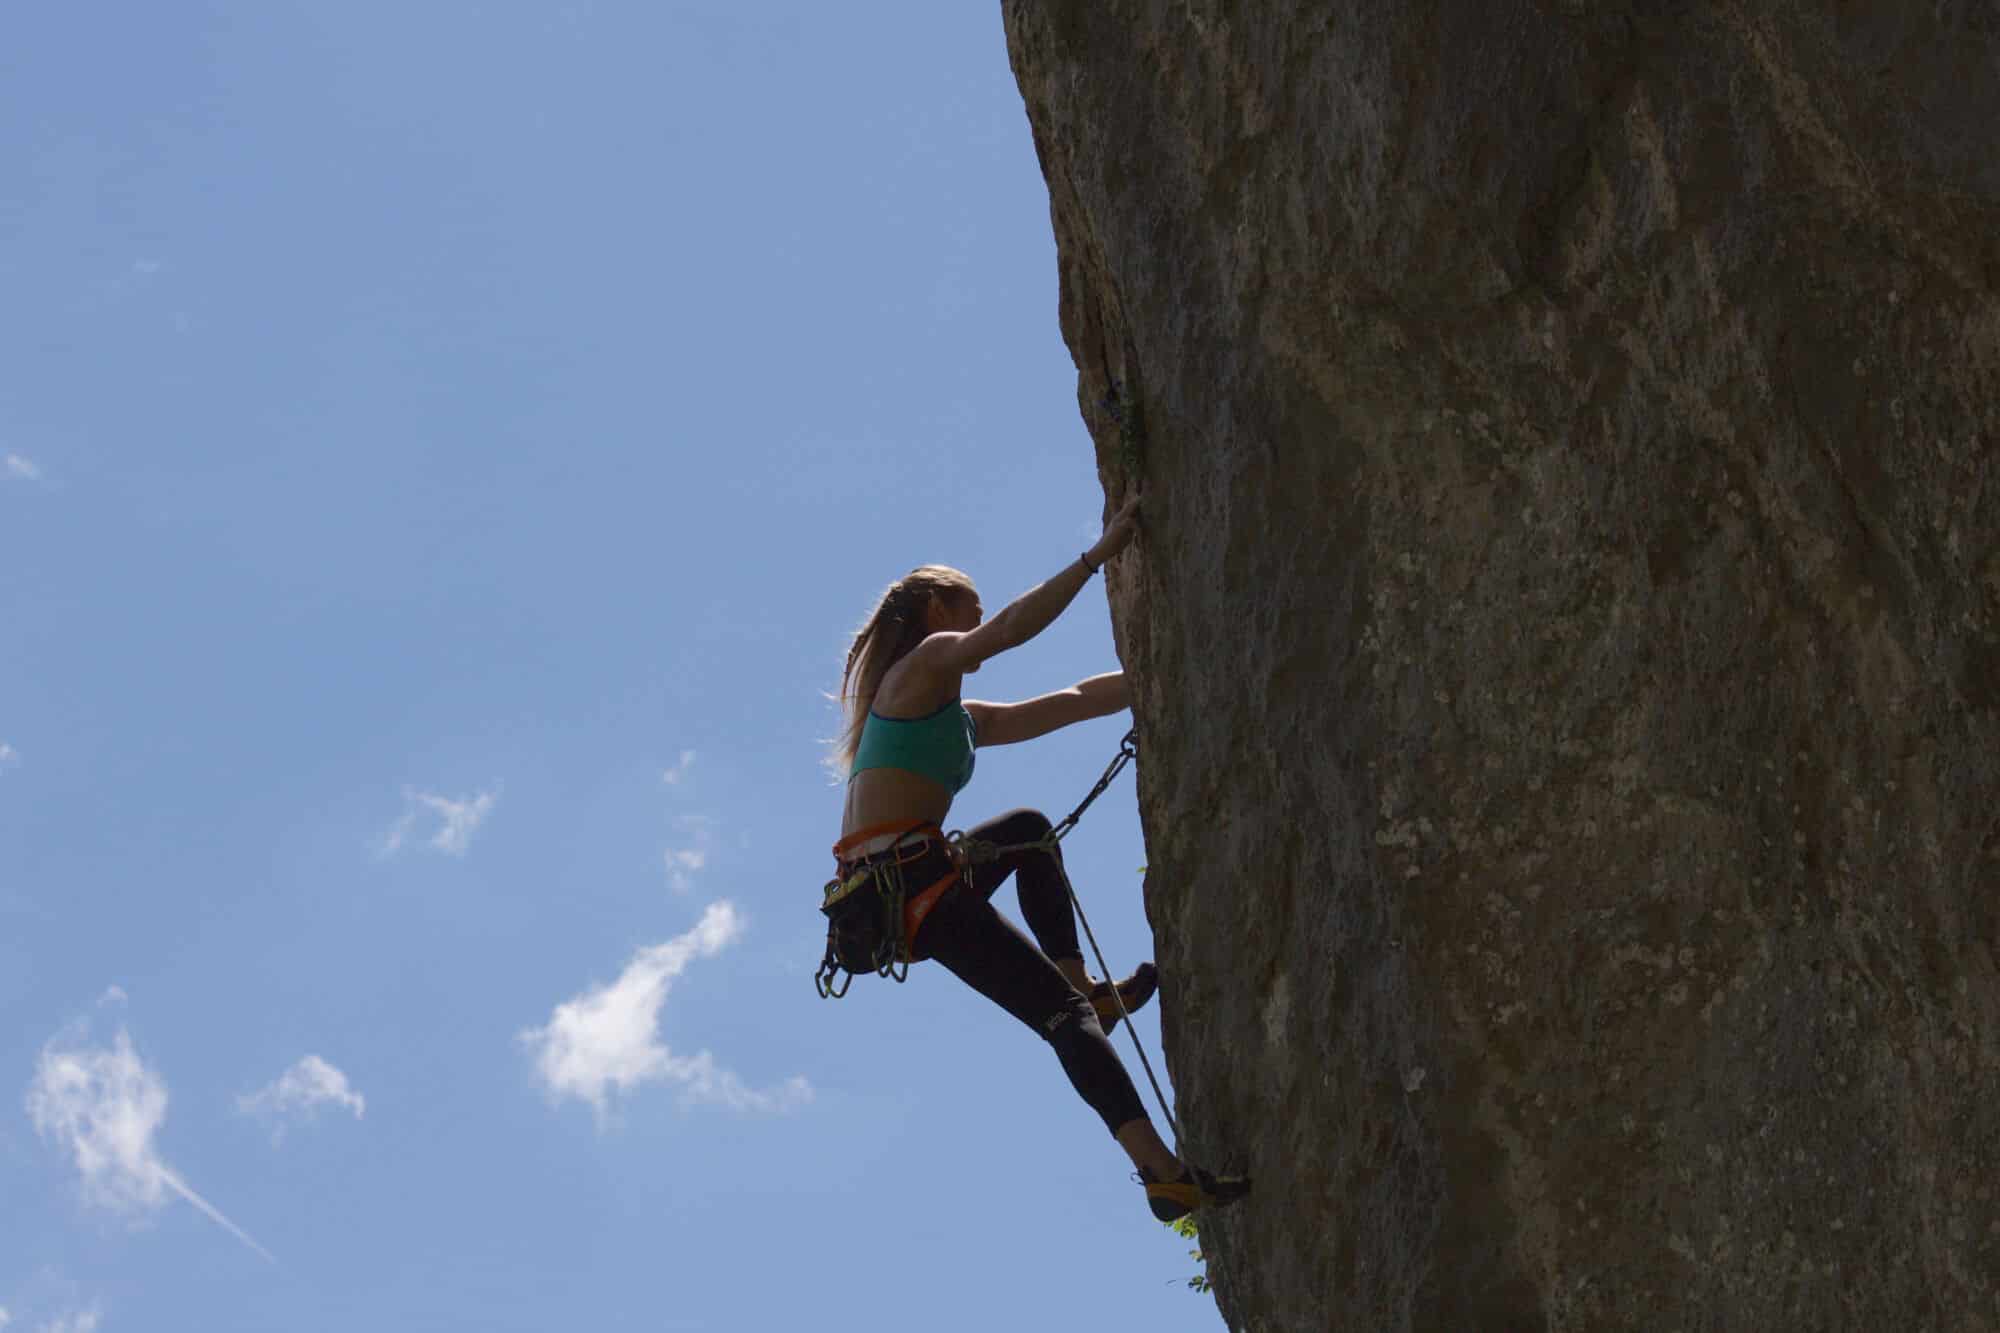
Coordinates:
[937,746]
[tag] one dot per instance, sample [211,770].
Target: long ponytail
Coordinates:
[897,625]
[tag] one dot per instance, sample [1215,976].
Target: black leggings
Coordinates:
[990,954]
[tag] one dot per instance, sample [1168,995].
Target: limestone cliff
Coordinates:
[1565,636]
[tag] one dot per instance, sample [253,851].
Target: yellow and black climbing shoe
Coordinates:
[1172,1200]
[1135,991]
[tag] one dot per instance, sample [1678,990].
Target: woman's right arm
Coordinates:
[1034,610]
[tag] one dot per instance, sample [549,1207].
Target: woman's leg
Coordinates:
[1047,907]
[985,950]
[1040,882]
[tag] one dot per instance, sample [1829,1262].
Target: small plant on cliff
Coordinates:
[1186,1227]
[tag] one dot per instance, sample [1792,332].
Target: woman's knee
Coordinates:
[1026,824]
[1071,1021]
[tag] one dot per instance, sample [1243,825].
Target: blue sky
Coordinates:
[443,450]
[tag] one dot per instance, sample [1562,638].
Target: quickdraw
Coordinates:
[975,850]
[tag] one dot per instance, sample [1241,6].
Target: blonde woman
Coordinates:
[907,749]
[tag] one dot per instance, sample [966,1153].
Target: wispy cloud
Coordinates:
[681,865]
[17,468]
[77,1321]
[101,1106]
[112,995]
[9,756]
[703,1083]
[456,820]
[49,1302]
[296,1095]
[696,834]
[674,776]
[606,1041]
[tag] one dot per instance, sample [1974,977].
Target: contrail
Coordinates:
[180,1187]
[102,1106]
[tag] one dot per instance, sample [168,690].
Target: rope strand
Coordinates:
[888,878]
[973,849]
[1131,1028]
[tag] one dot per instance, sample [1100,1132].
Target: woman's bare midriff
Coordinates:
[891,796]
[896,795]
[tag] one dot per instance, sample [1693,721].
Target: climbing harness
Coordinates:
[872,917]
[872,920]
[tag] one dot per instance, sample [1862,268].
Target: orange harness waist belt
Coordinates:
[856,871]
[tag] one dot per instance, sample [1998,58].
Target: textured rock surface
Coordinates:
[1565,636]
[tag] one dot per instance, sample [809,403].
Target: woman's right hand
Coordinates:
[1117,533]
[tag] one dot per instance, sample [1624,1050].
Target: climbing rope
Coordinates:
[973,850]
[891,957]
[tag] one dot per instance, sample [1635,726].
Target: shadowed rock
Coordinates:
[1564,638]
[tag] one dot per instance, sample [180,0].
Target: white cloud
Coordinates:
[5,1318]
[457,820]
[17,468]
[607,1040]
[9,756]
[101,1106]
[673,776]
[298,1093]
[112,995]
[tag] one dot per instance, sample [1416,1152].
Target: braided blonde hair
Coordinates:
[895,627]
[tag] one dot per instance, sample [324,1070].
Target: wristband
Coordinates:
[1088,568]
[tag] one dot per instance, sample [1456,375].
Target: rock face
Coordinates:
[1566,638]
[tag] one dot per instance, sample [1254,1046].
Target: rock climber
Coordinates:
[907,750]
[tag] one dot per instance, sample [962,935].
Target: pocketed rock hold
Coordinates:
[1565,638]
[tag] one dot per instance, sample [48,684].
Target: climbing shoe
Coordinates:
[1171,1200]
[1135,990]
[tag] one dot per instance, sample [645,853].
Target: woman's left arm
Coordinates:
[1005,724]
[1105,694]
